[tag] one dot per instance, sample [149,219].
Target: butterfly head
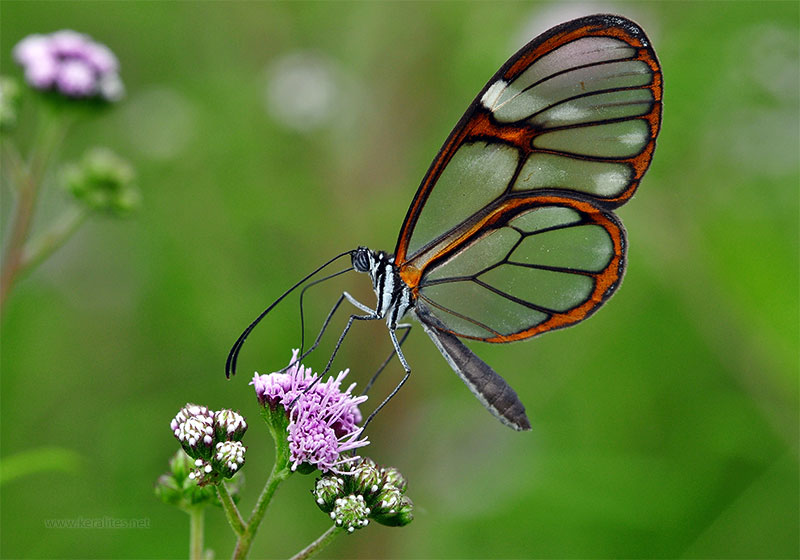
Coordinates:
[378,264]
[367,260]
[363,259]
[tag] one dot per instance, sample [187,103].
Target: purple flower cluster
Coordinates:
[70,63]
[323,419]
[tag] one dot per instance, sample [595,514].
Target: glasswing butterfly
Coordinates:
[512,232]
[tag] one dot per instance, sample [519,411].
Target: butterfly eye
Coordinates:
[360,259]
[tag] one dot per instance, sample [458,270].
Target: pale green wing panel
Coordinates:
[549,289]
[480,309]
[585,247]
[623,139]
[587,109]
[545,217]
[478,256]
[539,263]
[553,171]
[574,84]
[511,101]
[477,174]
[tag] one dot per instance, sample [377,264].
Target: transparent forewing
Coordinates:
[532,265]
[575,112]
[478,174]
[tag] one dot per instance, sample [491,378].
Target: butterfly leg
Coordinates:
[401,356]
[370,315]
[325,324]
[407,330]
[358,304]
[322,330]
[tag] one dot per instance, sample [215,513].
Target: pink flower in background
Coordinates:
[70,63]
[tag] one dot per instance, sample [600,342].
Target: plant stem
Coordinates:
[321,542]
[276,422]
[27,188]
[231,511]
[28,178]
[38,249]
[277,476]
[196,522]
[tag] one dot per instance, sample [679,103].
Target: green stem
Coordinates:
[28,178]
[27,189]
[277,476]
[196,522]
[39,248]
[321,542]
[276,422]
[231,511]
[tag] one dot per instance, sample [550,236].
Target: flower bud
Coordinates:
[327,490]
[177,487]
[403,514]
[363,493]
[193,426]
[387,500]
[103,181]
[228,458]
[365,479]
[350,512]
[394,477]
[202,472]
[229,425]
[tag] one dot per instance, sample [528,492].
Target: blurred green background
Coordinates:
[666,426]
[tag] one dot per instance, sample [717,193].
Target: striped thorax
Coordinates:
[394,296]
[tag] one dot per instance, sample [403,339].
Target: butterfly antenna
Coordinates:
[301,354]
[233,355]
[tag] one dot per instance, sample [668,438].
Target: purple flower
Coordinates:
[31,49]
[76,78]
[322,418]
[70,63]
[42,74]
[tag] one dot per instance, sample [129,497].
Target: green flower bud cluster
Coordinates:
[103,181]
[367,492]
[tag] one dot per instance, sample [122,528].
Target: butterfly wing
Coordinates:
[511,232]
[534,264]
